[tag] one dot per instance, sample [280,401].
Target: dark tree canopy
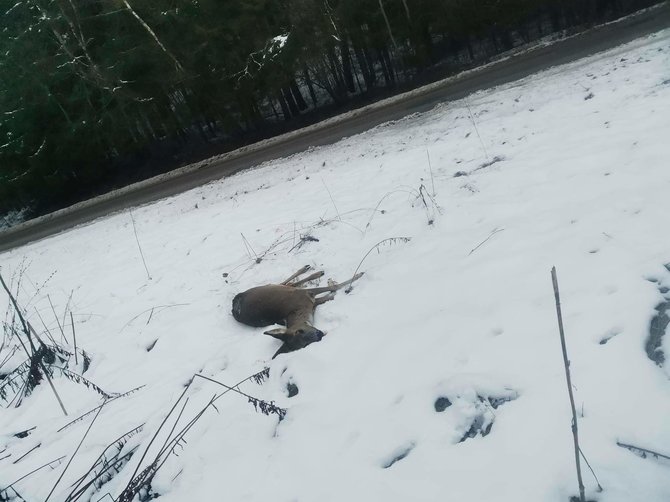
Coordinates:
[95,94]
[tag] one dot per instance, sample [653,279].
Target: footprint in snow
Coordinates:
[475,412]
[398,454]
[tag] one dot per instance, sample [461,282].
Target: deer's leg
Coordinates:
[335,287]
[299,272]
[315,275]
[324,299]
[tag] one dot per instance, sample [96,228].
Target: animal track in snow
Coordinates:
[473,409]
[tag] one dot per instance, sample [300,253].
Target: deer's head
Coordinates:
[296,337]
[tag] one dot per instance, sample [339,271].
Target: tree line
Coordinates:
[95,94]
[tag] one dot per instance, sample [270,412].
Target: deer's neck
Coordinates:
[300,317]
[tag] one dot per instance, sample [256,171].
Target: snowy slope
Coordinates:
[567,168]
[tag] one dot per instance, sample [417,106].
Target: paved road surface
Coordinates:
[509,70]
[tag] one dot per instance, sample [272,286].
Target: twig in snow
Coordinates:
[137,239]
[48,464]
[474,123]
[331,199]
[27,330]
[250,250]
[67,307]
[74,337]
[566,363]
[81,417]
[73,455]
[146,450]
[46,330]
[430,168]
[267,408]
[495,231]
[152,311]
[27,453]
[642,451]
[390,240]
[143,479]
[375,210]
[107,464]
[600,488]
[60,327]
[116,464]
[11,353]
[430,214]
[77,378]
[303,238]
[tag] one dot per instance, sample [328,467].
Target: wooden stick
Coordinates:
[566,363]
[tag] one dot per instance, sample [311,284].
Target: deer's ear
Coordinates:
[278,333]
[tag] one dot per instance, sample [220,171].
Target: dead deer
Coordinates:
[288,304]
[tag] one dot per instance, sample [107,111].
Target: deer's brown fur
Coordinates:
[288,304]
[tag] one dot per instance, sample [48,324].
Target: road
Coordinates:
[508,70]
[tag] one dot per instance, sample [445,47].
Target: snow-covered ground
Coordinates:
[570,168]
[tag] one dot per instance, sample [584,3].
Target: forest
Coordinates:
[96,94]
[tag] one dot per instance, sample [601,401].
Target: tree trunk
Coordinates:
[337,74]
[310,85]
[371,65]
[365,70]
[346,66]
[297,95]
[389,64]
[284,106]
[274,108]
[386,70]
[293,106]
[388,25]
